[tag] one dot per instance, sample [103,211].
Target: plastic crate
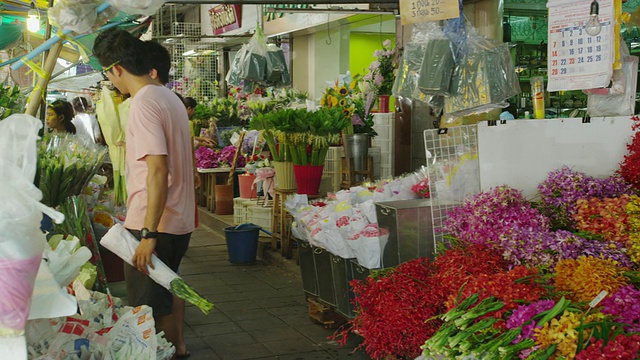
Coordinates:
[261,216]
[245,206]
[386,172]
[238,210]
[332,161]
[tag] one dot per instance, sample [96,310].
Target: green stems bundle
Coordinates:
[66,164]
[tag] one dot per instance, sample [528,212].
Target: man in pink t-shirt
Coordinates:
[158,172]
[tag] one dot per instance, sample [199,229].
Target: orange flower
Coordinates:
[585,277]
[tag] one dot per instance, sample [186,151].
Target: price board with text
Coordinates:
[415,11]
[575,59]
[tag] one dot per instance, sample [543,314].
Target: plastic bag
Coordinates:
[75,15]
[137,7]
[21,241]
[620,99]
[483,79]
[434,77]
[277,73]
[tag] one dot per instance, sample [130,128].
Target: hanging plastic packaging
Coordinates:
[621,99]
[137,7]
[434,77]
[483,79]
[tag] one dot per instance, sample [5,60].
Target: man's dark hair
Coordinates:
[160,60]
[119,46]
[190,102]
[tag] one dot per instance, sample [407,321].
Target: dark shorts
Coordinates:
[141,290]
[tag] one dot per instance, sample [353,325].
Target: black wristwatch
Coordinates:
[146,234]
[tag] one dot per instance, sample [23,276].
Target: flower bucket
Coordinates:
[246,186]
[284,175]
[308,178]
[224,199]
[356,146]
[383,103]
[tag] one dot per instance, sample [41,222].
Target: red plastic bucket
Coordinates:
[308,178]
[247,187]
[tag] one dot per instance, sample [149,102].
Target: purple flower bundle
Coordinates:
[624,305]
[484,217]
[543,248]
[522,315]
[206,158]
[562,188]
[226,154]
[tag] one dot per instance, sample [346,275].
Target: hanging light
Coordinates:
[593,27]
[33,19]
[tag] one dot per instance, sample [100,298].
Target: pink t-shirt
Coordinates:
[158,125]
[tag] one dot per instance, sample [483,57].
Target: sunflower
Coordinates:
[342,102]
[342,90]
[346,112]
[331,101]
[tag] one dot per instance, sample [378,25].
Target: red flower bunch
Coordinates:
[395,312]
[459,263]
[621,347]
[421,188]
[511,287]
[630,165]
[606,217]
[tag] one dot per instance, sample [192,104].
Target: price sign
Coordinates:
[415,11]
[577,60]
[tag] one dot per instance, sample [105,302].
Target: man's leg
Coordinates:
[173,325]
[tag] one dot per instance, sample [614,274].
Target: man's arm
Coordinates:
[157,188]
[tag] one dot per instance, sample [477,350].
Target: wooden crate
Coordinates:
[325,315]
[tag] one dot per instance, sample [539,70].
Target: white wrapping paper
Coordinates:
[122,243]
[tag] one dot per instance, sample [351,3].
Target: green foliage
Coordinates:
[225,112]
[202,112]
[9,100]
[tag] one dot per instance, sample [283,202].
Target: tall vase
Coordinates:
[284,178]
[246,186]
[383,103]
[356,146]
[308,178]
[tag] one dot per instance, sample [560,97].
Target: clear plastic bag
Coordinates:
[434,77]
[483,79]
[75,15]
[277,73]
[613,104]
[137,7]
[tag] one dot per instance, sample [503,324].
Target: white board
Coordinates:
[520,153]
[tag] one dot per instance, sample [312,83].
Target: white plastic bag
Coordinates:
[75,15]
[21,241]
[137,7]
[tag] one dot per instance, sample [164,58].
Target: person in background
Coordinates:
[191,103]
[59,116]
[159,174]
[86,124]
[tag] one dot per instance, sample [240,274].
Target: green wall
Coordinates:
[361,48]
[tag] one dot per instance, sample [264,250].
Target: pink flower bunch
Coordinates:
[421,188]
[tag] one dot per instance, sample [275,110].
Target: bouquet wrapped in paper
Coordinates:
[122,243]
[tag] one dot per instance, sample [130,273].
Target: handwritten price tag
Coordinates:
[415,11]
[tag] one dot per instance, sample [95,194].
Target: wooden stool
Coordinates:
[281,222]
[347,173]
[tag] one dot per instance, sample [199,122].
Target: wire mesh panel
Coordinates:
[454,171]
[194,70]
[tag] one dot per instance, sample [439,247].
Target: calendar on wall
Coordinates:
[577,60]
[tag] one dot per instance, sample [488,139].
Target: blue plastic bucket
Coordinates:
[242,243]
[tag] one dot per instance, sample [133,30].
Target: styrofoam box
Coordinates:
[261,216]
[238,211]
[386,146]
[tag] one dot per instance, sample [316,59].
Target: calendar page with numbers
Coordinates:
[577,60]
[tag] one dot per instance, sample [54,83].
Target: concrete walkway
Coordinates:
[260,310]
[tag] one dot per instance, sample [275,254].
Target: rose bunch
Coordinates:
[421,188]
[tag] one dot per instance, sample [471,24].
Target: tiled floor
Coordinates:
[260,310]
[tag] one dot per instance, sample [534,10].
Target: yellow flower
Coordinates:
[586,276]
[563,333]
[332,101]
[342,102]
[352,84]
[346,112]
[342,90]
